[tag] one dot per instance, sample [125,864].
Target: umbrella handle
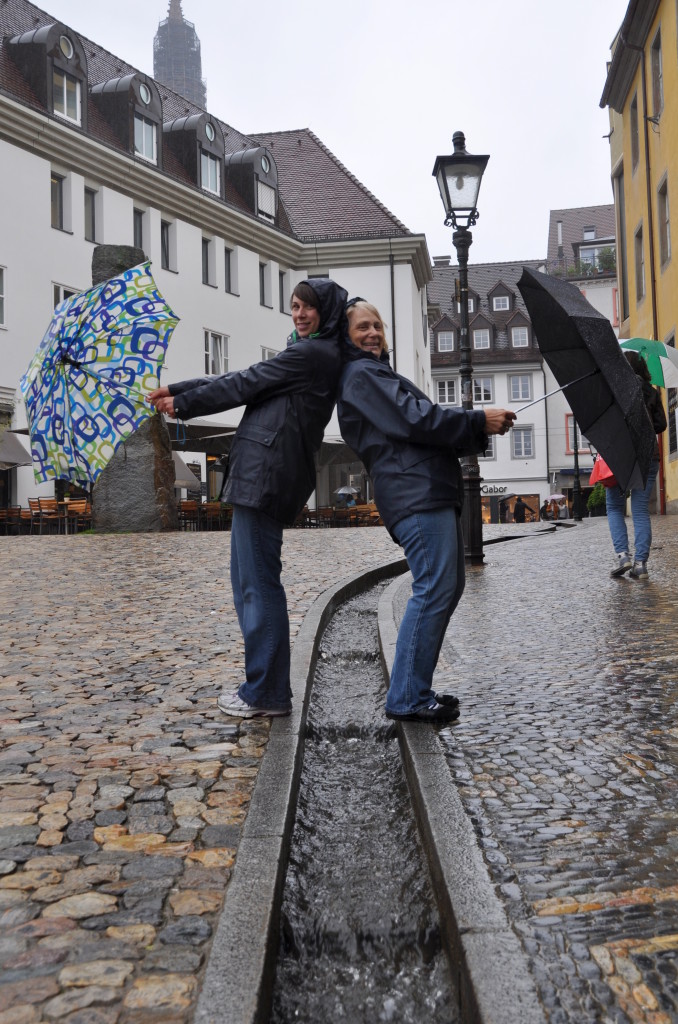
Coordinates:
[556,390]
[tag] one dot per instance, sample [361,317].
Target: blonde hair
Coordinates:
[366,307]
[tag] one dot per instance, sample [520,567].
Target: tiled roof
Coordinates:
[482,278]
[321,199]
[601,218]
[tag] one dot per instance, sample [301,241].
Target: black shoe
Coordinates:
[447,699]
[433,713]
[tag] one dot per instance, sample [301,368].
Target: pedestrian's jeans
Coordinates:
[261,606]
[615,501]
[434,548]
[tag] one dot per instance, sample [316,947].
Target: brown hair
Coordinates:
[366,307]
[305,293]
[638,365]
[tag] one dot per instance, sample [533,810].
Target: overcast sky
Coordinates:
[385,83]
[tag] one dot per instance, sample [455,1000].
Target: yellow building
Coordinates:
[641,91]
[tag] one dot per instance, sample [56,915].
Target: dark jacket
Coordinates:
[408,444]
[655,410]
[289,402]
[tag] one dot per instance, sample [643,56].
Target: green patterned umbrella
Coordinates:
[85,389]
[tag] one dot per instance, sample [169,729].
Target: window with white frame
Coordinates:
[520,337]
[90,215]
[583,444]
[639,253]
[216,353]
[265,201]
[447,392]
[446,341]
[145,138]
[471,305]
[664,222]
[61,292]
[265,285]
[168,245]
[481,338]
[482,389]
[491,451]
[268,353]
[520,387]
[588,234]
[522,442]
[500,302]
[210,176]
[138,228]
[657,75]
[2,296]
[66,96]
[57,200]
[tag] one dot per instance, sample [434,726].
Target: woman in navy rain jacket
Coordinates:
[409,447]
[289,400]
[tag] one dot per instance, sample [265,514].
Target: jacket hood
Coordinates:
[332,298]
[351,352]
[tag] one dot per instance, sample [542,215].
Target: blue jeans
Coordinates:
[615,501]
[261,606]
[434,548]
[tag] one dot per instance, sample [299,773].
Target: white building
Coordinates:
[92,151]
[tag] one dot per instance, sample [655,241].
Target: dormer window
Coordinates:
[589,233]
[209,131]
[52,60]
[210,168]
[500,302]
[132,107]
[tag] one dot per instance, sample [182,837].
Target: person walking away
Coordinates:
[615,497]
[289,400]
[519,510]
[410,448]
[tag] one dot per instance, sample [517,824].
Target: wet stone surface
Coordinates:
[123,789]
[566,759]
[360,936]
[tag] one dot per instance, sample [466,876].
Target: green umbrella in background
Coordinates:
[661,359]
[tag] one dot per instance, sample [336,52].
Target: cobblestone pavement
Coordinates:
[566,759]
[122,788]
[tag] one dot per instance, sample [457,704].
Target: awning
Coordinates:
[12,452]
[183,477]
[200,436]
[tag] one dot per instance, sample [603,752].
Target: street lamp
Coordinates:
[459,176]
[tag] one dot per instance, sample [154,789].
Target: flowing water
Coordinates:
[360,938]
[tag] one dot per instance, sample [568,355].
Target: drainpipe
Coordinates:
[650,235]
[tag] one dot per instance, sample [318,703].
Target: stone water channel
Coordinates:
[360,936]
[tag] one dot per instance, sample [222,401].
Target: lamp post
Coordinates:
[459,176]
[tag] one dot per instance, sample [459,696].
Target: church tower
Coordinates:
[176,56]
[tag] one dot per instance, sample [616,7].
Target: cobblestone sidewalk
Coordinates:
[566,758]
[122,789]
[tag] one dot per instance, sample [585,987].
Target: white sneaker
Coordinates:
[623,564]
[231,704]
[639,571]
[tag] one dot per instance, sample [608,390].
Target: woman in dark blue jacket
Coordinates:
[409,447]
[289,400]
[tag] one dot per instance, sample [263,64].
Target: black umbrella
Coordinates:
[604,393]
